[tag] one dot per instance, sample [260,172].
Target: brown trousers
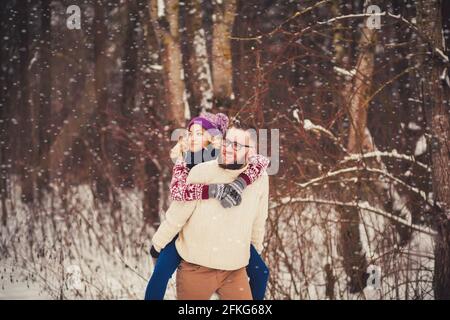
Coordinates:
[196,282]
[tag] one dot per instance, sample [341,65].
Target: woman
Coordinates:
[202,144]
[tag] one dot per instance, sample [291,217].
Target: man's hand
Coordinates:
[216,191]
[238,185]
[231,197]
[233,193]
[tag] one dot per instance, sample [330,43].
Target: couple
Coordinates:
[214,228]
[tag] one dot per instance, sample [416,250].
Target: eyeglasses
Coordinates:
[236,146]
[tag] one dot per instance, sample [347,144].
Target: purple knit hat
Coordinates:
[215,124]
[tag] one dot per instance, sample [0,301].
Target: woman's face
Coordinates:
[198,138]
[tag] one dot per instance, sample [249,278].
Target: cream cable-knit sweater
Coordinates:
[210,235]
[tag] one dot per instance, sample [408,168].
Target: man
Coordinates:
[214,242]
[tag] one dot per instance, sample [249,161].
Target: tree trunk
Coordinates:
[200,81]
[92,101]
[153,180]
[359,92]
[222,69]
[130,75]
[102,186]
[26,148]
[45,96]
[166,22]
[436,100]
[130,60]
[354,260]
[4,117]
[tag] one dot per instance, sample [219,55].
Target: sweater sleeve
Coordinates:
[176,217]
[256,167]
[182,191]
[259,224]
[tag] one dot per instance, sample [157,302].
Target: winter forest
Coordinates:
[358,91]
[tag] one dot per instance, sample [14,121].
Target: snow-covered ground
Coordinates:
[22,291]
[75,249]
[80,249]
[306,239]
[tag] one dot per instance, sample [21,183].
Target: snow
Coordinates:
[421,146]
[308,125]
[344,72]
[444,77]
[155,67]
[391,154]
[22,291]
[443,56]
[161,8]
[296,116]
[414,126]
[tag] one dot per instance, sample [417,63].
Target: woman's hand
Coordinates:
[251,153]
[216,141]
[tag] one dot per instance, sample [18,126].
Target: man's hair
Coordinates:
[237,124]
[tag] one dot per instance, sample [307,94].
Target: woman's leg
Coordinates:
[167,263]
[258,273]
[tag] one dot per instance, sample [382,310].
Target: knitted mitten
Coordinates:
[238,185]
[231,197]
[216,191]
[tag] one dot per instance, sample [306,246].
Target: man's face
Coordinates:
[235,146]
